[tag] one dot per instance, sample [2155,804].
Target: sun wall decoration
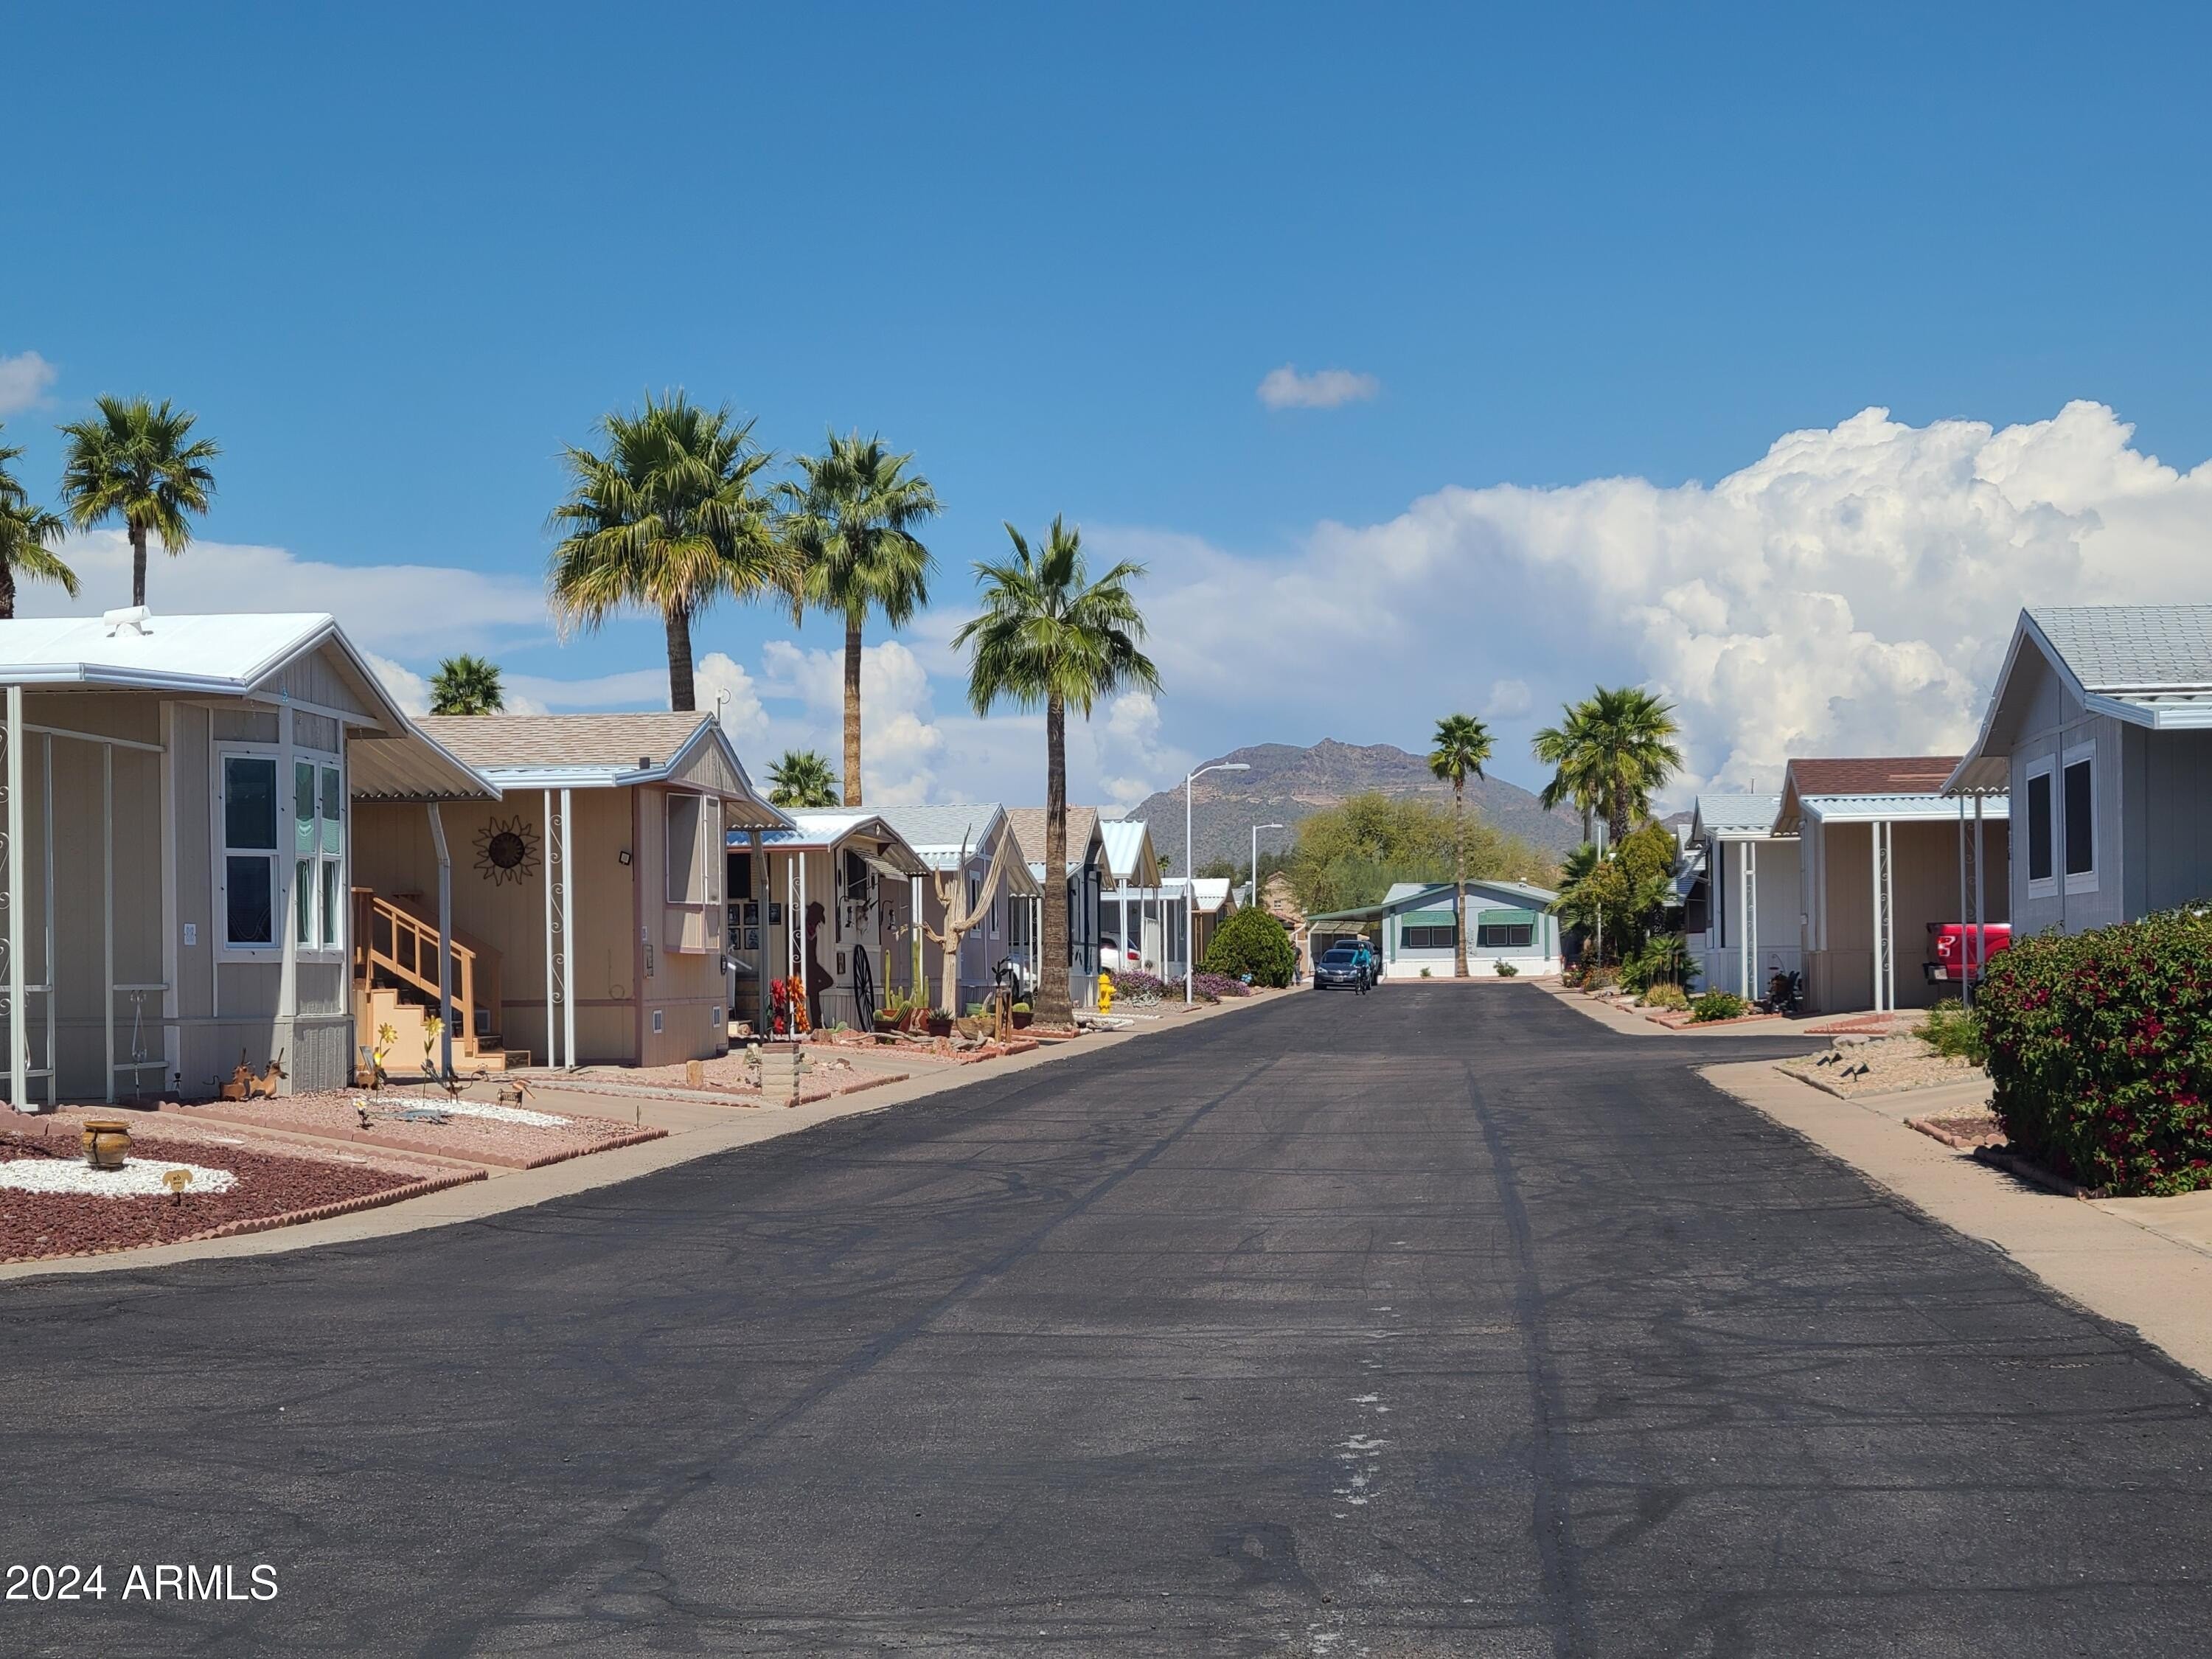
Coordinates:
[507,850]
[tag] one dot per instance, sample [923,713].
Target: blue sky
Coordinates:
[395,258]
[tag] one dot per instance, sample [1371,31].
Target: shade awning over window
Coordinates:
[1504,918]
[1427,919]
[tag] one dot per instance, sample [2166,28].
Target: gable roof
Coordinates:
[1421,895]
[1028,827]
[1734,818]
[235,656]
[943,830]
[1892,787]
[598,751]
[2148,664]
[1130,855]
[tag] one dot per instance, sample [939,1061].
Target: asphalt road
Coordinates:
[1441,1321]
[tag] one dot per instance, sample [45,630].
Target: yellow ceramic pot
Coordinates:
[106,1143]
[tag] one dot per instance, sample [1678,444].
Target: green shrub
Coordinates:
[1717,1004]
[2100,1052]
[1954,1030]
[1252,943]
[1667,996]
[1021,1007]
[1504,969]
[1599,978]
[1428,973]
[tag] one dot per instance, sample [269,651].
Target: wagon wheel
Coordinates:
[864,989]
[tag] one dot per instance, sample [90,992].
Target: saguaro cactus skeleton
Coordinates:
[961,919]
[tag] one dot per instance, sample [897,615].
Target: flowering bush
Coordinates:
[1212,988]
[1717,1004]
[1141,988]
[2100,1052]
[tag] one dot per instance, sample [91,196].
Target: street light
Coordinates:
[1189,876]
[1252,899]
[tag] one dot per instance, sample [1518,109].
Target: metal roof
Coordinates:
[937,833]
[1897,809]
[1738,816]
[232,655]
[816,831]
[1129,853]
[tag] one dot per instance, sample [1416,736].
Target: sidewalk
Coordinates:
[696,1128]
[2145,1262]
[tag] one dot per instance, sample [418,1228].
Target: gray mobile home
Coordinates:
[2101,727]
[176,844]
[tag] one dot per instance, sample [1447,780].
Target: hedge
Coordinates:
[2100,1052]
[1252,942]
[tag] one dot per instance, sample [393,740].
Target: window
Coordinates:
[249,845]
[1504,935]
[318,854]
[2038,825]
[694,861]
[1427,938]
[2078,801]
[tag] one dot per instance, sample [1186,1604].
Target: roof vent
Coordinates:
[132,618]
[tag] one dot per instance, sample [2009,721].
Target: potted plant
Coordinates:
[1021,1017]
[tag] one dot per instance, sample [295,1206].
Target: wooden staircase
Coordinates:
[395,983]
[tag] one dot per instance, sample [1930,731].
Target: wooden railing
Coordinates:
[395,940]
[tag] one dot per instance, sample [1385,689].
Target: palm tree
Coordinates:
[1050,634]
[466,685]
[1463,745]
[851,518]
[802,778]
[136,460]
[669,519]
[1609,754]
[27,534]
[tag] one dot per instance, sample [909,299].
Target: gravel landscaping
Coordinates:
[479,1132]
[1890,1063]
[53,1203]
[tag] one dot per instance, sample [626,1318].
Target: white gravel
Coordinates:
[472,1109]
[138,1177]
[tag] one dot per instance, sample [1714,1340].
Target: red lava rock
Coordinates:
[34,1225]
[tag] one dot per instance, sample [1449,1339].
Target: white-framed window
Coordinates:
[2077,817]
[2040,803]
[258,861]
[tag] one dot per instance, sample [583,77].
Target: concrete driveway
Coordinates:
[1423,1324]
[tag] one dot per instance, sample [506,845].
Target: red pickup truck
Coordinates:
[1951,951]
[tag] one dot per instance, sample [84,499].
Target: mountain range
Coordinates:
[1286,783]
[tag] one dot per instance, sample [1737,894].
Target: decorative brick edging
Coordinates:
[1675,1020]
[403,1144]
[262,1223]
[1863,1025]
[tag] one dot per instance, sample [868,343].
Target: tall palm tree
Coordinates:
[1609,754]
[1462,743]
[137,461]
[466,685]
[28,533]
[670,517]
[802,778]
[851,518]
[1049,635]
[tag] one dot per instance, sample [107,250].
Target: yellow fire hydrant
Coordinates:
[1105,991]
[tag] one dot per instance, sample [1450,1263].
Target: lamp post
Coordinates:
[1190,877]
[1252,899]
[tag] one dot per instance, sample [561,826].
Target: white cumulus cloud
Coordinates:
[1849,592]
[419,610]
[24,378]
[900,736]
[408,689]
[1286,388]
[720,681]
